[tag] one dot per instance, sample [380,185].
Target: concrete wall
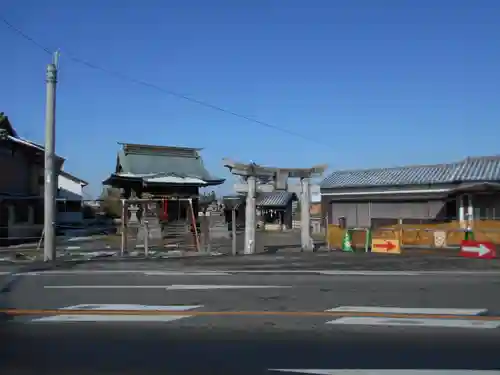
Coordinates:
[364,213]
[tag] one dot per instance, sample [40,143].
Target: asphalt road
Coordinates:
[247,323]
[140,349]
[255,292]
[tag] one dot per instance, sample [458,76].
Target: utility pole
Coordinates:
[50,188]
[250,216]
[305,216]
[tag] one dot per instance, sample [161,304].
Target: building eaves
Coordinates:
[274,199]
[73,178]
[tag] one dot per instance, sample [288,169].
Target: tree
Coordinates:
[111,204]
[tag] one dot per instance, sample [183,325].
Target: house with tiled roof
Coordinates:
[21,185]
[464,190]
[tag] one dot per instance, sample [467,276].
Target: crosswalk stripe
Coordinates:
[118,318]
[385,372]
[450,323]
[401,310]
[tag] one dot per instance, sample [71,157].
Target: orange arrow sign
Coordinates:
[387,245]
[382,245]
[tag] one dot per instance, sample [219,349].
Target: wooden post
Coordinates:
[124,228]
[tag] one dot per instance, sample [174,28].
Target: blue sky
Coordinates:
[375,83]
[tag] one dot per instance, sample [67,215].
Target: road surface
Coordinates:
[84,322]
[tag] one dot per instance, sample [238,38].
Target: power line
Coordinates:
[128,78]
[24,35]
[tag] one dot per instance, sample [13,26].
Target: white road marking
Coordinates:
[448,323]
[209,287]
[402,310]
[118,318]
[267,271]
[123,272]
[386,372]
[178,273]
[166,287]
[369,273]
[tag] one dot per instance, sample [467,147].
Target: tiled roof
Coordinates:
[8,133]
[164,161]
[486,168]
[471,169]
[274,199]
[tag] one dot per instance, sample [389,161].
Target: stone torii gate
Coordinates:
[252,172]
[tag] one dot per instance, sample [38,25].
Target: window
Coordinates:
[21,211]
[69,206]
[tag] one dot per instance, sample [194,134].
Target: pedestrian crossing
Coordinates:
[119,313]
[412,317]
[366,316]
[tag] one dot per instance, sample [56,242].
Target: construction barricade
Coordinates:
[399,237]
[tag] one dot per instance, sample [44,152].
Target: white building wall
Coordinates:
[72,191]
[69,189]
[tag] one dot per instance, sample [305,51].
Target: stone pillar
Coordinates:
[134,210]
[470,211]
[461,211]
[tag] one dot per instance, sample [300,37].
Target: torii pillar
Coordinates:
[253,171]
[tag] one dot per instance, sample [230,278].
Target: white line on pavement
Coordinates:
[123,272]
[369,273]
[267,271]
[402,310]
[448,323]
[72,248]
[166,287]
[208,287]
[386,372]
[118,318]
[179,273]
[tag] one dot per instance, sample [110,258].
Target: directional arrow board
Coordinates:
[381,245]
[477,249]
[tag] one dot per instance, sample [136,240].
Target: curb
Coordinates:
[33,266]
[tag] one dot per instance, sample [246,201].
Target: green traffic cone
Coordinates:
[368,240]
[469,235]
[347,242]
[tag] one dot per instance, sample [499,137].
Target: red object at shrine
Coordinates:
[165,210]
